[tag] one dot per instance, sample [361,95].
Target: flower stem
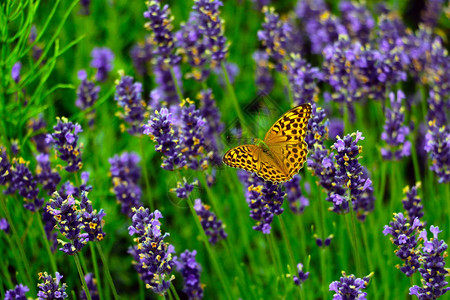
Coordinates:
[80,272]
[144,166]
[174,292]
[234,100]
[177,86]
[108,274]
[96,272]
[355,242]
[47,245]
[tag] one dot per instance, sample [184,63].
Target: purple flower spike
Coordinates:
[4,225]
[102,61]
[65,140]
[264,199]
[15,71]
[302,276]
[213,227]
[190,269]
[152,255]
[437,145]
[350,287]
[297,201]
[18,293]
[358,20]
[45,175]
[263,77]
[87,92]
[50,287]
[141,54]
[433,269]
[125,174]
[39,125]
[129,97]
[404,237]
[395,134]
[274,36]
[91,283]
[412,203]
[184,189]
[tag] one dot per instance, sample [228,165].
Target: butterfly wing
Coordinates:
[245,157]
[272,169]
[291,127]
[286,139]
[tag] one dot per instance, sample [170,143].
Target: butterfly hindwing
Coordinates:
[290,127]
[271,169]
[244,157]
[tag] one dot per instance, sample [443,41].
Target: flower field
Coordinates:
[116,176]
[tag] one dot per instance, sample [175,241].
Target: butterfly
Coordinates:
[283,151]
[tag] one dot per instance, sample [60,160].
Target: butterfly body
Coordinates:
[283,151]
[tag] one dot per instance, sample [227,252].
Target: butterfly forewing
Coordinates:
[291,127]
[272,169]
[245,157]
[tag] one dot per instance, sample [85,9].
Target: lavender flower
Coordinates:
[394,132]
[297,201]
[336,127]
[263,77]
[433,269]
[85,7]
[264,199]
[303,80]
[302,276]
[152,256]
[102,61]
[412,203]
[350,287]
[357,19]
[125,174]
[438,147]
[160,128]
[323,243]
[23,182]
[87,92]
[15,147]
[213,228]
[4,225]
[184,189]
[50,287]
[65,140]
[142,54]
[69,222]
[129,96]
[37,49]
[18,293]
[38,126]
[190,270]
[5,167]
[274,36]
[211,26]
[350,174]
[45,175]
[15,71]
[92,220]
[433,9]
[404,237]
[166,83]
[68,188]
[161,37]
[49,225]
[91,283]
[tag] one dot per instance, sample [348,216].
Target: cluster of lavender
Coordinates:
[404,237]
[438,147]
[38,127]
[297,201]
[420,253]
[213,227]
[68,188]
[142,54]
[18,293]
[264,199]
[302,276]
[72,217]
[4,225]
[351,176]
[102,61]
[152,255]
[350,287]
[65,140]
[37,50]
[412,203]
[184,189]
[125,174]
[129,97]
[395,133]
[51,288]
[190,270]
[433,269]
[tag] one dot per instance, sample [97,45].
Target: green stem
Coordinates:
[177,86]
[322,250]
[323,273]
[96,272]
[47,245]
[273,256]
[174,292]
[369,259]
[108,274]
[80,272]
[147,182]
[234,100]
[355,241]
